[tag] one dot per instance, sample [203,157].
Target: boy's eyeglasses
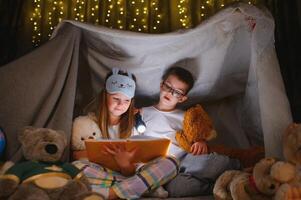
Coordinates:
[173,91]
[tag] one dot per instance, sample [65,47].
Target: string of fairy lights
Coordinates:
[134,15]
[185,19]
[36,20]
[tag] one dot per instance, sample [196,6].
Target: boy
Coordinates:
[198,170]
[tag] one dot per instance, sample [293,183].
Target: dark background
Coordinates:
[287,15]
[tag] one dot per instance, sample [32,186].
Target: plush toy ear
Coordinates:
[92,116]
[24,132]
[290,134]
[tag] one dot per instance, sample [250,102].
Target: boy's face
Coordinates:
[173,91]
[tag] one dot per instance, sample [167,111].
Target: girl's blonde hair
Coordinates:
[127,120]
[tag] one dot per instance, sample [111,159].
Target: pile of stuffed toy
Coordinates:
[270,178]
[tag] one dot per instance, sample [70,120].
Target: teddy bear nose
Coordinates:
[51,148]
[272,186]
[90,137]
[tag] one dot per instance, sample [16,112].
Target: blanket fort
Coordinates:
[232,56]
[147,150]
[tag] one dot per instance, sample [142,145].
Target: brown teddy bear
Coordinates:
[238,185]
[197,126]
[43,176]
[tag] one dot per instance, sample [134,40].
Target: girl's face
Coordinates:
[117,104]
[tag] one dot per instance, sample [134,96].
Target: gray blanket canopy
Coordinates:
[231,55]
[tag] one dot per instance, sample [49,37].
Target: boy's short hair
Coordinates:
[182,74]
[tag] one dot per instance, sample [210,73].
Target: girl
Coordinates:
[115,116]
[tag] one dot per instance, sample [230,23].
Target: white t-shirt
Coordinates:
[164,124]
[114,132]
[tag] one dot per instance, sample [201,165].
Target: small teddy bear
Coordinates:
[237,185]
[197,126]
[43,175]
[83,128]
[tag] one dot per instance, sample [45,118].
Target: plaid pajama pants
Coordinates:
[147,178]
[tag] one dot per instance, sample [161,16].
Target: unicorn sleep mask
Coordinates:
[118,83]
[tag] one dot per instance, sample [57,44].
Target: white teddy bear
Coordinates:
[84,127]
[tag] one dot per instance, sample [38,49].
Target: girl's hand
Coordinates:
[199,148]
[123,158]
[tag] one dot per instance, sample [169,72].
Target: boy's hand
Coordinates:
[199,148]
